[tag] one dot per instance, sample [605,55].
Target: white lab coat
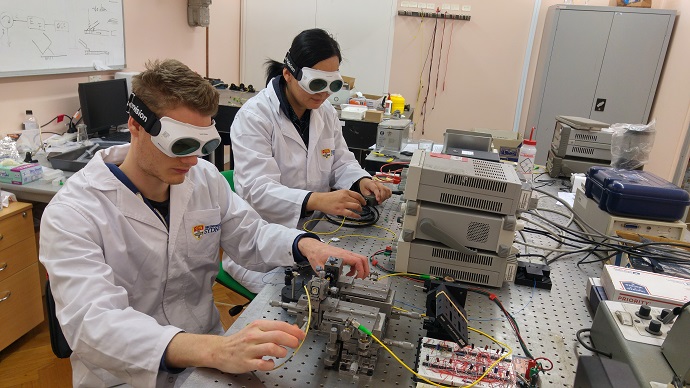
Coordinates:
[124,285]
[274,171]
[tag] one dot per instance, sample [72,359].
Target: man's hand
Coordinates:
[371,187]
[338,203]
[318,252]
[241,352]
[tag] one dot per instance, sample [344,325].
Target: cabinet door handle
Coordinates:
[1,236]
[3,266]
[6,296]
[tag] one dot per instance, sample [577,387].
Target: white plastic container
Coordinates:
[352,112]
[526,158]
[29,120]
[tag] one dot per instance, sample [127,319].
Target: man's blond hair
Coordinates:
[169,84]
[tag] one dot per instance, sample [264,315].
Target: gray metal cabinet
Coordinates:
[601,63]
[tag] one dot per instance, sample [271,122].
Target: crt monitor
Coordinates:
[103,105]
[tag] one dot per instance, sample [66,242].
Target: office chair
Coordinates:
[223,277]
[57,339]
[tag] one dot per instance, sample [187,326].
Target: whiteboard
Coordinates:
[60,36]
[363,28]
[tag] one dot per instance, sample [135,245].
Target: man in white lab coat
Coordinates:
[288,145]
[131,247]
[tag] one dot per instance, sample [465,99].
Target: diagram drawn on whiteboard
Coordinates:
[61,34]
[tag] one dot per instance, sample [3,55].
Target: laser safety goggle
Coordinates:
[314,81]
[174,138]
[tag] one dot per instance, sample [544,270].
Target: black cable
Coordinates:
[582,261]
[598,234]
[237,309]
[550,236]
[428,82]
[370,216]
[590,348]
[599,260]
[563,254]
[64,116]
[634,250]
[678,310]
[548,182]
[438,66]
[511,320]
[529,255]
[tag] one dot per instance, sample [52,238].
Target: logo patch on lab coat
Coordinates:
[199,230]
[326,153]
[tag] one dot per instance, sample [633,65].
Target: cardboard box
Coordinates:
[373,101]
[349,80]
[634,3]
[21,174]
[506,143]
[644,288]
[373,116]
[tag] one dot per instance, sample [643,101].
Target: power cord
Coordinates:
[369,216]
[590,348]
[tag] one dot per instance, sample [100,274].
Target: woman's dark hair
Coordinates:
[308,48]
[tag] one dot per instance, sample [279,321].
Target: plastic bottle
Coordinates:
[526,159]
[387,106]
[30,121]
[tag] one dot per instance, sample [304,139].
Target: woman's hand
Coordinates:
[338,203]
[369,186]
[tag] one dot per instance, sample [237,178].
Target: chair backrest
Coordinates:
[57,339]
[229,176]
[224,118]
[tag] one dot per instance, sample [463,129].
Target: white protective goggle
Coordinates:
[177,139]
[316,81]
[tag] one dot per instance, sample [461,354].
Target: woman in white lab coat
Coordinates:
[290,155]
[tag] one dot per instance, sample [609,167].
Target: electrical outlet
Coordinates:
[94,78]
[445,7]
[455,7]
[466,8]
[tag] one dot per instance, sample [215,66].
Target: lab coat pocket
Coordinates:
[202,228]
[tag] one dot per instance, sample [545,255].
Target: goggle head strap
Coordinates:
[143,115]
[292,67]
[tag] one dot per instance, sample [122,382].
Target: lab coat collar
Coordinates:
[99,176]
[316,121]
